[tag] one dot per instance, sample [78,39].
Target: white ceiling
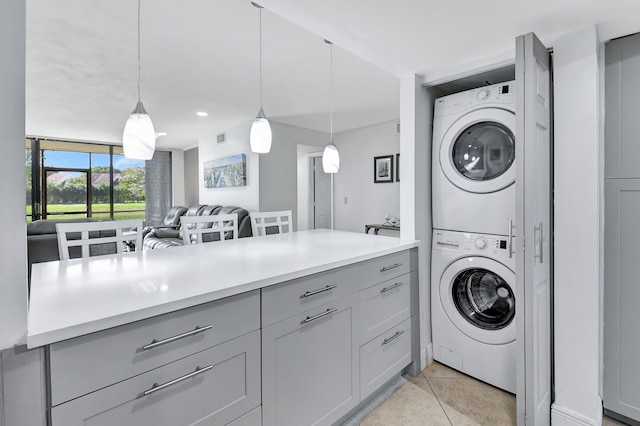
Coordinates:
[202,55]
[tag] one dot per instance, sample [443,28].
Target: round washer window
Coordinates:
[484,299]
[484,151]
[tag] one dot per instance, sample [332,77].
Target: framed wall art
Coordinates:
[383,169]
[225,172]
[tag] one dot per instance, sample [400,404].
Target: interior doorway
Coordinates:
[320,195]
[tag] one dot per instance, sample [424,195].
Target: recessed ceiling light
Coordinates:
[158,134]
[201,114]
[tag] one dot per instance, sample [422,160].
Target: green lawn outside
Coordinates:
[99,211]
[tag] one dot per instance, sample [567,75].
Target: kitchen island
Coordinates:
[231,331]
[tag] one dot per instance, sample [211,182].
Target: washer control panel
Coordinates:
[496,246]
[503,93]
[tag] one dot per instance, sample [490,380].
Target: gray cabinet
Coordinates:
[330,340]
[197,366]
[212,387]
[621,295]
[310,367]
[383,357]
[622,91]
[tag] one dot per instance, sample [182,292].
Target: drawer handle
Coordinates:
[320,290]
[391,287]
[320,315]
[388,268]
[156,387]
[154,343]
[392,338]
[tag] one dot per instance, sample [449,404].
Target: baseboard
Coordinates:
[562,416]
[426,356]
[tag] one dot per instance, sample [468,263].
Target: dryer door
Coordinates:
[478,297]
[478,150]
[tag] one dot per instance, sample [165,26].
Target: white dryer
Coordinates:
[473,306]
[473,160]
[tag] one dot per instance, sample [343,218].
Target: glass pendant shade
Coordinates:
[330,158]
[260,135]
[139,137]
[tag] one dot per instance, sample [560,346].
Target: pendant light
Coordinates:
[260,135]
[139,137]
[330,156]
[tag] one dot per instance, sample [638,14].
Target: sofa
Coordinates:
[170,236]
[42,240]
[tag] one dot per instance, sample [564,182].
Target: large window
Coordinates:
[73,180]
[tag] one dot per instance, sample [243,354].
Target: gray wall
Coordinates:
[278,169]
[13,243]
[21,389]
[191,188]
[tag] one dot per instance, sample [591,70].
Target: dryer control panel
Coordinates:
[496,246]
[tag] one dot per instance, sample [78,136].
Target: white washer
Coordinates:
[473,160]
[473,306]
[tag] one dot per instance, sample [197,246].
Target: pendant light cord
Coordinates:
[331,90]
[139,68]
[260,57]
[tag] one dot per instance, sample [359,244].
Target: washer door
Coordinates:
[478,150]
[478,297]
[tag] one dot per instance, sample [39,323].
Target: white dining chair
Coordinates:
[266,223]
[99,238]
[201,229]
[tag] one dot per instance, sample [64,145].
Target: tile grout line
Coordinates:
[437,399]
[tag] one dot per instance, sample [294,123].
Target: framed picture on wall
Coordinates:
[225,172]
[397,167]
[383,169]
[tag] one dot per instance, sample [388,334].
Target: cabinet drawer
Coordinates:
[252,418]
[384,268]
[227,386]
[384,357]
[285,300]
[94,361]
[294,297]
[383,306]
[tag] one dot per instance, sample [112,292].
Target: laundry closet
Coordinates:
[473,286]
[484,204]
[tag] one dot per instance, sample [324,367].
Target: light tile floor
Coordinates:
[441,396]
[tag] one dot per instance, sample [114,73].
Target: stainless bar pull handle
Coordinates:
[391,287]
[538,229]
[155,343]
[320,290]
[510,239]
[320,315]
[388,268]
[156,387]
[392,338]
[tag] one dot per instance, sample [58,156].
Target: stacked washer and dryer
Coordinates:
[473,268]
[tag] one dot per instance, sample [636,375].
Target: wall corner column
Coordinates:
[577,238]
[415,191]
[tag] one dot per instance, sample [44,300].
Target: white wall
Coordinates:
[278,168]
[237,142]
[13,242]
[366,202]
[577,177]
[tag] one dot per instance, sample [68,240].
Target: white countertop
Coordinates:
[70,298]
